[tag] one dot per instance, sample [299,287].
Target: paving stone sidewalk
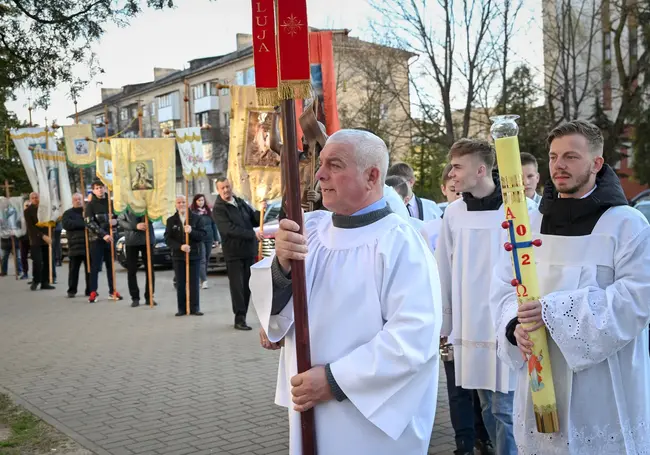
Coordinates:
[123,380]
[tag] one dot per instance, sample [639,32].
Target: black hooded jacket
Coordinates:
[569,217]
[492,201]
[75,230]
[97,218]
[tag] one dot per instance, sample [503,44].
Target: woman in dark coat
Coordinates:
[200,207]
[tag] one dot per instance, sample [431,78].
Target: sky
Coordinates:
[202,28]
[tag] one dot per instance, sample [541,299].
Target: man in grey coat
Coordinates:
[136,246]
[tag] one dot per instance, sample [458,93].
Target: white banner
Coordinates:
[25,140]
[55,192]
[190,147]
[12,219]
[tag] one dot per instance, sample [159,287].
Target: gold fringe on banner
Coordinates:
[268,97]
[298,90]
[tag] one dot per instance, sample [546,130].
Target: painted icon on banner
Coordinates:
[258,140]
[142,175]
[53,185]
[108,170]
[80,147]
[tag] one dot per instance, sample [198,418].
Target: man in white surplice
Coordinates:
[468,247]
[374,312]
[594,278]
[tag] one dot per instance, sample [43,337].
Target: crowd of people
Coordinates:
[91,233]
[388,295]
[394,285]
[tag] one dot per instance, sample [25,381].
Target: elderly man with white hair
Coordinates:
[374,312]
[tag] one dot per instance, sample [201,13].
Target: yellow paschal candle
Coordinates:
[525,281]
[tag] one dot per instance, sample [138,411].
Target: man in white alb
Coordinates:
[420,208]
[374,312]
[467,250]
[594,277]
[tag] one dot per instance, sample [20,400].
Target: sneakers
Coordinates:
[135,303]
[71,295]
[93,297]
[204,285]
[117,296]
[24,277]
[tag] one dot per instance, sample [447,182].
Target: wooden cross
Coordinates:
[6,187]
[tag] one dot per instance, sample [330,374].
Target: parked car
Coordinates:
[162,256]
[271,225]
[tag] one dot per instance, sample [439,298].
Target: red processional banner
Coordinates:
[265,53]
[293,49]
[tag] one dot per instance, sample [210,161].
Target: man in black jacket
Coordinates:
[235,221]
[175,238]
[75,229]
[136,244]
[39,242]
[97,221]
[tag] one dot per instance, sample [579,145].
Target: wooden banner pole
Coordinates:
[261,243]
[110,230]
[49,234]
[149,272]
[186,99]
[83,195]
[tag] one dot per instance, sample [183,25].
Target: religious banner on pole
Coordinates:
[190,148]
[146,181]
[12,219]
[293,50]
[54,185]
[264,51]
[323,79]
[104,164]
[25,140]
[253,168]
[80,145]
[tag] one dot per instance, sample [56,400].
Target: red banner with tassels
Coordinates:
[293,49]
[264,53]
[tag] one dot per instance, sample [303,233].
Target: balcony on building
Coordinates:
[206,97]
[169,108]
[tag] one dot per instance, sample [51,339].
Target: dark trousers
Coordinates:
[179,273]
[57,252]
[24,255]
[73,276]
[239,275]
[132,255]
[100,251]
[9,252]
[465,413]
[40,264]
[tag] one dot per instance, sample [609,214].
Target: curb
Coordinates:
[85,443]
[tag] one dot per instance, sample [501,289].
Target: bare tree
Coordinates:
[455,56]
[594,65]
[572,74]
[373,91]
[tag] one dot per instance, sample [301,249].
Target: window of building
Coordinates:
[124,114]
[164,101]
[99,119]
[153,108]
[239,78]
[226,120]
[225,91]
[202,119]
[205,89]
[249,76]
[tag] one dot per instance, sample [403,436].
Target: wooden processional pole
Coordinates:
[186,99]
[147,236]
[260,247]
[13,237]
[83,196]
[110,212]
[49,227]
